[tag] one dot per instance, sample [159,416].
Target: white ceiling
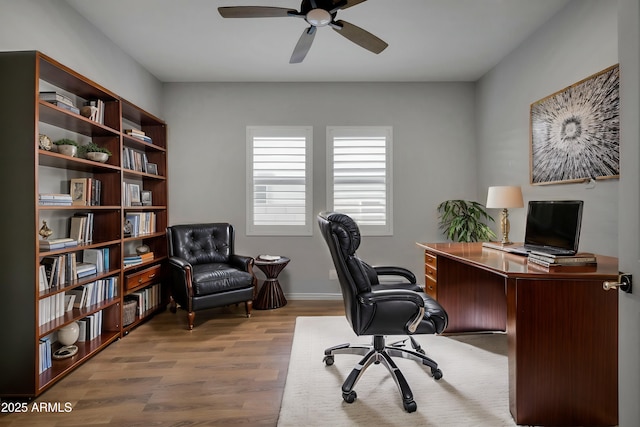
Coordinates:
[429,40]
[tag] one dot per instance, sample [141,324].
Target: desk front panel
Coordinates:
[563,352]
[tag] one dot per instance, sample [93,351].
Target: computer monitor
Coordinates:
[553,226]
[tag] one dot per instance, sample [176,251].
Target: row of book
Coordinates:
[549,261]
[146,299]
[86,191]
[54,199]
[81,227]
[83,296]
[59,270]
[140,223]
[44,348]
[131,260]
[135,160]
[138,134]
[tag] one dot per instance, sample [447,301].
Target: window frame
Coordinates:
[281,230]
[364,131]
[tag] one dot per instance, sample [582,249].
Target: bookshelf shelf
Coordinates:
[34,297]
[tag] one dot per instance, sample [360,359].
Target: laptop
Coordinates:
[552,228]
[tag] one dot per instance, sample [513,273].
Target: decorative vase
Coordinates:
[68,150]
[69,334]
[97,157]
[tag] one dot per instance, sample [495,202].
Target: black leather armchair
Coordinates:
[204,270]
[378,309]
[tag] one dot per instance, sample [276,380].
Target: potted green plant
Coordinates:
[94,152]
[66,146]
[465,221]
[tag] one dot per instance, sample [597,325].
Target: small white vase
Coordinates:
[69,334]
[68,150]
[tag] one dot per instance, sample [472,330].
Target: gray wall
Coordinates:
[434,159]
[57,30]
[579,41]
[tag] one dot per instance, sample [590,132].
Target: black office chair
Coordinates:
[378,310]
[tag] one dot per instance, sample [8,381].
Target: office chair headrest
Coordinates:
[346,230]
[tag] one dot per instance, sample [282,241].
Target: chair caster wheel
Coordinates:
[328,360]
[350,397]
[437,374]
[410,406]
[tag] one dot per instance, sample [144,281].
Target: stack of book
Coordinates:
[59,100]
[138,134]
[561,262]
[51,244]
[131,260]
[54,199]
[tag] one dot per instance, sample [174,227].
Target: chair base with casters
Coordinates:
[378,310]
[379,352]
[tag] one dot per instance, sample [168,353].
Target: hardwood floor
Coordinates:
[229,371]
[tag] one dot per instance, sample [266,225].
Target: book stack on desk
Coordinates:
[561,262]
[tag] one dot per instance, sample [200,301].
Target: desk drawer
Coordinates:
[431,266]
[431,288]
[142,277]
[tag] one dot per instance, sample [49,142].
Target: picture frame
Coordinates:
[152,168]
[134,195]
[575,132]
[146,198]
[78,191]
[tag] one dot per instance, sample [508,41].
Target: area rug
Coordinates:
[473,390]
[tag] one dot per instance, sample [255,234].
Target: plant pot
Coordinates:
[97,157]
[68,150]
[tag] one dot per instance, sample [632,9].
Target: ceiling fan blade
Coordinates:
[359,36]
[255,12]
[303,46]
[350,3]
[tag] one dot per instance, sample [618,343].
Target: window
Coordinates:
[279,167]
[359,176]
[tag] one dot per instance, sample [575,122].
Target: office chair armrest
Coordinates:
[397,304]
[384,295]
[395,271]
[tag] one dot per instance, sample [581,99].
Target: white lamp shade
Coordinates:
[505,196]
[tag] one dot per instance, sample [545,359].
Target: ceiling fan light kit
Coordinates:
[317,13]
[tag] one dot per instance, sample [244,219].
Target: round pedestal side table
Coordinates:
[270,295]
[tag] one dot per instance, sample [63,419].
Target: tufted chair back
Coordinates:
[202,243]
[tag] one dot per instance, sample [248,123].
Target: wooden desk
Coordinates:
[562,328]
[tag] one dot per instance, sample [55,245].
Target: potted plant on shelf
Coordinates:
[465,221]
[66,146]
[96,153]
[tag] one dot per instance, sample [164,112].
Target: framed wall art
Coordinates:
[575,132]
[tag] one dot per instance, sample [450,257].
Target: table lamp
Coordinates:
[504,197]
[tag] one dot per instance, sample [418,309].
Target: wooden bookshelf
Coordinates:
[27,170]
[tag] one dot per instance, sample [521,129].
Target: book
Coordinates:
[66,106]
[134,132]
[84,269]
[564,268]
[579,258]
[80,296]
[55,97]
[59,243]
[547,264]
[68,301]
[54,196]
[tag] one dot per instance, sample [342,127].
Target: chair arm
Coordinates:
[241,262]
[396,271]
[398,303]
[180,271]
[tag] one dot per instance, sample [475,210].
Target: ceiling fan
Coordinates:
[317,13]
